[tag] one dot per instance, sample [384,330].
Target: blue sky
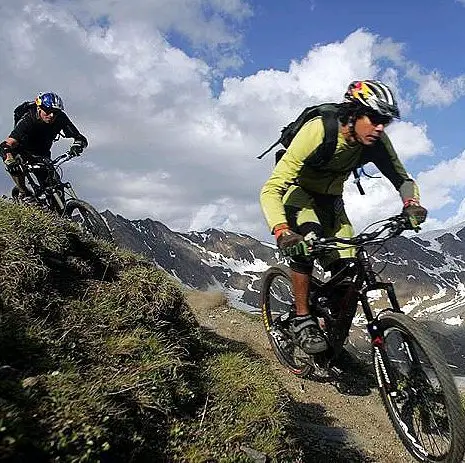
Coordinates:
[432,34]
[428,28]
[177,97]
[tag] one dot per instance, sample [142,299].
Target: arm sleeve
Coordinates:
[389,164]
[21,130]
[71,131]
[303,146]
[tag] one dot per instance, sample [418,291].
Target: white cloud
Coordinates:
[162,144]
[208,25]
[457,219]
[387,48]
[380,201]
[439,182]
[433,88]
[410,140]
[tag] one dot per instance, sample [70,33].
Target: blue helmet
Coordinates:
[50,100]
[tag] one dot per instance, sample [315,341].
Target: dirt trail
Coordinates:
[338,426]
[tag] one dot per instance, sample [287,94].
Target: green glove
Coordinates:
[292,244]
[416,214]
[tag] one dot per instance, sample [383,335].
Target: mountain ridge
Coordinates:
[428,270]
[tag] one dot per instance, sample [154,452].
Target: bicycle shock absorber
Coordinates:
[60,203]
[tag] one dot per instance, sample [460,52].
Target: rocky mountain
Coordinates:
[428,269]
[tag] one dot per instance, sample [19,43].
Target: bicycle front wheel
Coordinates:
[418,390]
[277,305]
[88,219]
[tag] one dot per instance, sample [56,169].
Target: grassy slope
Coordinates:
[102,360]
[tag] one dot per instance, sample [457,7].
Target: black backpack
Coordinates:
[329,114]
[22,109]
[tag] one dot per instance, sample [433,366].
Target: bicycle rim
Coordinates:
[418,391]
[277,302]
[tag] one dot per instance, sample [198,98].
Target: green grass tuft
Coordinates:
[101,358]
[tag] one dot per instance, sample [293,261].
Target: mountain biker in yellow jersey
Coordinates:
[299,200]
[42,123]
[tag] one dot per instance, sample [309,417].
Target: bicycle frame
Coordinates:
[362,281]
[50,192]
[55,191]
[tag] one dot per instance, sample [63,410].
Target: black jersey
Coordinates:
[36,136]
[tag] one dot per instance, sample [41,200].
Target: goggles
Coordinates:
[49,110]
[376,118]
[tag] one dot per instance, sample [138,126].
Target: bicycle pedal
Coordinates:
[284,317]
[320,368]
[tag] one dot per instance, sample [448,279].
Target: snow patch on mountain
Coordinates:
[433,235]
[239,266]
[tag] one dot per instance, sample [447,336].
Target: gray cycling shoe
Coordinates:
[308,335]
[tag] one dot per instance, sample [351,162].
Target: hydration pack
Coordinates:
[329,114]
[22,109]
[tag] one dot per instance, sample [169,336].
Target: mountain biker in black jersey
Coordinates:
[42,123]
[300,200]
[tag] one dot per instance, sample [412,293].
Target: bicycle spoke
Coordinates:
[277,302]
[419,391]
[420,401]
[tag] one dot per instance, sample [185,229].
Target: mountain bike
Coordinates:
[44,179]
[415,383]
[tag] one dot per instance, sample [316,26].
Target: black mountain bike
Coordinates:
[44,179]
[414,380]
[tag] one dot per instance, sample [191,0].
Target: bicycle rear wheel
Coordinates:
[277,305]
[88,218]
[418,390]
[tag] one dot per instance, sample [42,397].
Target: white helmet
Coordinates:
[375,95]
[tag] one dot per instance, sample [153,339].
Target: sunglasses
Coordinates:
[377,119]
[49,110]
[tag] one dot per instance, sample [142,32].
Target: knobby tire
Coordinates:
[417,404]
[276,299]
[92,220]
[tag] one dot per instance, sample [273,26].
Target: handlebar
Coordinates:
[63,158]
[39,160]
[393,226]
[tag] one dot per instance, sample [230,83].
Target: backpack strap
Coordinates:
[356,175]
[278,155]
[289,131]
[329,115]
[327,148]
[269,149]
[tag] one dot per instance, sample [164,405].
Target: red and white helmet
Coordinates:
[374,95]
